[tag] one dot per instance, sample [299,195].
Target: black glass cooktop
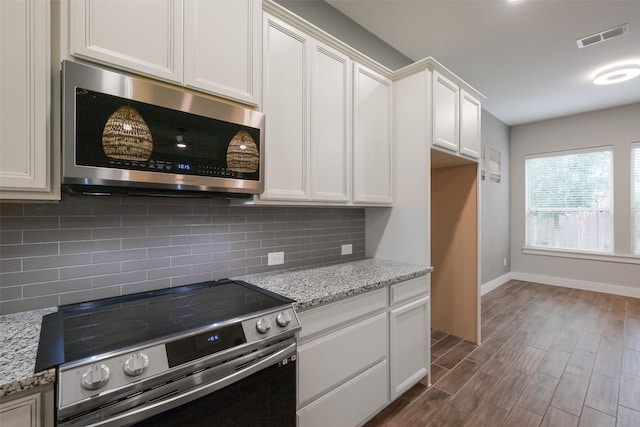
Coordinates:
[112,324]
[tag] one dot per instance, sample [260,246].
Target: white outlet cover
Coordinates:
[275,258]
[347,249]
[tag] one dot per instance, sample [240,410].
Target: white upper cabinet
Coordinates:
[307,102]
[212,46]
[330,125]
[445,112]
[137,35]
[286,105]
[470,119]
[25,137]
[456,117]
[222,47]
[328,128]
[372,140]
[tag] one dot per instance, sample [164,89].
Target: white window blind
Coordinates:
[635,201]
[569,200]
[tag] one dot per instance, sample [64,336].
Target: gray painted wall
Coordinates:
[617,127]
[346,30]
[494,200]
[86,248]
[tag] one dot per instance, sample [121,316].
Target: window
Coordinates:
[635,196]
[569,200]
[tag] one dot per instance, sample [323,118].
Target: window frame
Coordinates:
[572,252]
[635,236]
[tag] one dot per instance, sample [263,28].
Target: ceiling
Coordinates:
[522,55]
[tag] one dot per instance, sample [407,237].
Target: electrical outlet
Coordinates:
[505,262]
[275,258]
[347,249]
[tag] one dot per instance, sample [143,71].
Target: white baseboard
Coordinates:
[606,288]
[495,283]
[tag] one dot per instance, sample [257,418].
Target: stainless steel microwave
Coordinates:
[127,134]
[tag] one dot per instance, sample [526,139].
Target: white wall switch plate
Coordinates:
[347,249]
[275,258]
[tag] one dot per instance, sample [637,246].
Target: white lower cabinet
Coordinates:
[33,408]
[408,345]
[343,375]
[350,404]
[409,334]
[358,354]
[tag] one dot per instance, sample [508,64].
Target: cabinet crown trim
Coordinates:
[432,64]
[304,25]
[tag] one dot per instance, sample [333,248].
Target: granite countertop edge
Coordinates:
[299,306]
[321,285]
[325,284]
[19,346]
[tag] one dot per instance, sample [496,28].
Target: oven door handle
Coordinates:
[146,411]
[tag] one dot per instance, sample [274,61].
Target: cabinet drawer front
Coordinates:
[351,404]
[331,360]
[413,288]
[329,316]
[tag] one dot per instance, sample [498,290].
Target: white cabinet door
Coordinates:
[22,412]
[222,42]
[372,138]
[330,125]
[409,341]
[286,105]
[25,164]
[470,118]
[137,35]
[445,112]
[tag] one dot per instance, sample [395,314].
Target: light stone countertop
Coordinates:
[313,286]
[20,332]
[19,336]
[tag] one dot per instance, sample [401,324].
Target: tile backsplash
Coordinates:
[89,247]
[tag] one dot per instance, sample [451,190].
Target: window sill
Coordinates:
[624,259]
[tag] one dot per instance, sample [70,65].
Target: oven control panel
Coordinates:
[271,324]
[80,382]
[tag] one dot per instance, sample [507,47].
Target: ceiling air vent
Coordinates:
[602,36]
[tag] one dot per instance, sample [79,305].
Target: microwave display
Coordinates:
[120,133]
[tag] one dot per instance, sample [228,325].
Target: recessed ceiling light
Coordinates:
[617,74]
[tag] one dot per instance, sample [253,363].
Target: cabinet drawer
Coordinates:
[329,316]
[331,360]
[413,288]
[352,403]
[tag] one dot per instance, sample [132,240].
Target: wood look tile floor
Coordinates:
[550,356]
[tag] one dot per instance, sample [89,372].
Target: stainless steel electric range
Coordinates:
[214,353]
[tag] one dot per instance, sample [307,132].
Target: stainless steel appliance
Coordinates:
[214,353]
[128,134]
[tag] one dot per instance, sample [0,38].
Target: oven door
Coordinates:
[257,389]
[265,398]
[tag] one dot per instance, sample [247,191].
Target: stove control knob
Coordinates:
[95,377]
[136,364]
[283,319]
[263,325]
